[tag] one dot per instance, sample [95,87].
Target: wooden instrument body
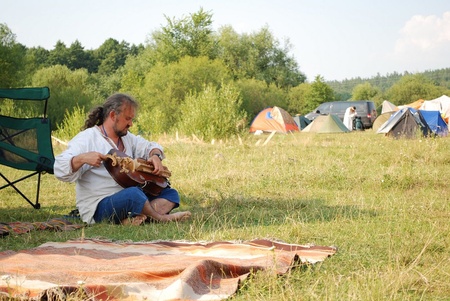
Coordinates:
[128,172]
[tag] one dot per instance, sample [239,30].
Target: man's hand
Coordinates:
[91,158]
[157,164]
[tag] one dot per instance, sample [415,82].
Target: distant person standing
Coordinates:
[349,117]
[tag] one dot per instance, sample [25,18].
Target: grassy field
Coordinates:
[384,203]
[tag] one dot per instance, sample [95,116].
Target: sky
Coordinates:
[336,39]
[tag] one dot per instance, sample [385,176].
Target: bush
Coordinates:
[9,108]
[170,84]
[150,122]
[72,123]
[212,113]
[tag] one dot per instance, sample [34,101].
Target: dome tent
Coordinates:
[381,119]
[407,122]
[435,122]
[326,124]
[301,121]
[273,120]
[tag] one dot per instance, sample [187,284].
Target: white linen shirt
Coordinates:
[95,183]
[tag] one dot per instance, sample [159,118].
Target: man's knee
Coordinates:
[162,206]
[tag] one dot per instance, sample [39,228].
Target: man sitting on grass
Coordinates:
[98,196]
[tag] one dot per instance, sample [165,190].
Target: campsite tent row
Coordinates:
[426,116]
[395,122]
[408,122]
[441,104]
[278,120]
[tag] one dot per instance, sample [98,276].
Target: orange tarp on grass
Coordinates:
[164,270]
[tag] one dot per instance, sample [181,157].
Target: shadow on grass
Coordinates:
[211,219]
[236,211]
[272,211]
[21,211]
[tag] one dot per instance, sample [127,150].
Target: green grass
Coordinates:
[384,203]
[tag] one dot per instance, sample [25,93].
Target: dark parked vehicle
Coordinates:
[364,109]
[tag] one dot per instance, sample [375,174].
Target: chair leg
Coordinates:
[35,206]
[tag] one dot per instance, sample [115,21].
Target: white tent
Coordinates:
[441,104]
[388,106]
[431,105]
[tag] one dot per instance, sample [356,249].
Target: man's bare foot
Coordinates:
[171,217]
[180,216]
[135,221]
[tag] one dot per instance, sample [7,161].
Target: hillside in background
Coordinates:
[343,89]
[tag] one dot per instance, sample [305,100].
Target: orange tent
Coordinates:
[273,120]
[415,105]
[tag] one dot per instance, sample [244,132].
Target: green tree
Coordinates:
[67,90]
[58,55]
[111,55]
[77,58]
[259,56]
[12,58]
[411,88]
[103,85]
[234,52]
[131,79]
[37,58]
[298,97]
[133,72]
[188,36]
[74,57]
[257,95]
[366,91]
[320,92]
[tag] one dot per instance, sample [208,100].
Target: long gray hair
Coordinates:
[113,103]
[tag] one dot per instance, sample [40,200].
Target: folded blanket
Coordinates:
[163,270]
[55,224]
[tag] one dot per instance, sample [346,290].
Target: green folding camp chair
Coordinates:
[25,143]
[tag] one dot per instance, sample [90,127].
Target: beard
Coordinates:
[120,132]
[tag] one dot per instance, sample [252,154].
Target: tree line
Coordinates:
[188,77]
[344,88]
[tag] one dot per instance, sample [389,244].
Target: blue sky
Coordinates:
[332,38]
